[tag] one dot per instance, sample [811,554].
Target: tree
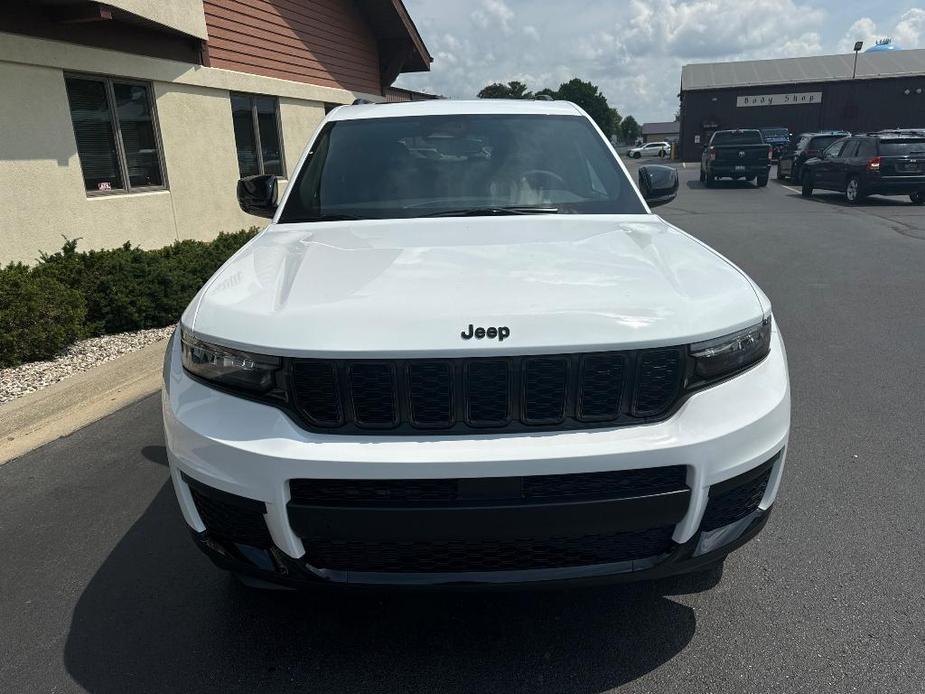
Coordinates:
[630,129]
[589,97]
[511,90]
[615,120]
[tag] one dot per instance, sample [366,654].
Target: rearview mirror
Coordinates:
[257,195]
[658,184]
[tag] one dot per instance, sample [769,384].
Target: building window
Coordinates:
[116,131]
[256,134]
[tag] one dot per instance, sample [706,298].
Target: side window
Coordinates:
[834,150]
[867,149]
[257,134]
[115,129]
[850,149]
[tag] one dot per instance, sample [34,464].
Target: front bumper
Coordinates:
[230,453]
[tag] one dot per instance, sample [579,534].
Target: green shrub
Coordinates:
[72,294]
[39,316]
[128,288]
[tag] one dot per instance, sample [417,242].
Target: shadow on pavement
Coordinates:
[158,617]
[723,184]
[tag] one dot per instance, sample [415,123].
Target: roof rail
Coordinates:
[543,97]
[360,102]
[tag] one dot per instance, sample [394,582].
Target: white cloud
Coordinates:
[493,12]
[908,32]
[531,32]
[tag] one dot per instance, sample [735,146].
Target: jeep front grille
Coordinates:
[548,392]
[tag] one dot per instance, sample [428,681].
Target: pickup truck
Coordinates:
[736,154]
[465,352]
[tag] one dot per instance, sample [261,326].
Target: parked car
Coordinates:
[883,163]
[736,154]
[651,149]
[778,138]
[808,145]
[488,364]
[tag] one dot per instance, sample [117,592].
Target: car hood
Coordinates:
[411,287]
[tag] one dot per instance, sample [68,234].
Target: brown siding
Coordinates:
[323,42]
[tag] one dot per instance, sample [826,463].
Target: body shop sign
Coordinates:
[786,99]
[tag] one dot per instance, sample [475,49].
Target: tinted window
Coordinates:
[425,165]
[835,149]
[823,141]
[902,147]
[850,148]
[867,148]
[114,129]
[776,133]
[256,134]
[746,137]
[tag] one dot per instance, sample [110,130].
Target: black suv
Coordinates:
[889,162]
[808,145]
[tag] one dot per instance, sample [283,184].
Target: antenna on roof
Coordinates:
[360,102]
[542,97]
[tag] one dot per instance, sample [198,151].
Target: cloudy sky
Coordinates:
[634,49]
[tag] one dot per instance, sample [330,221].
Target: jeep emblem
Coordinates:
[501,333]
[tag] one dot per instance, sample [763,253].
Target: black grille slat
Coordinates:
[430,386]
[488,392]
[231,522]
[533,488]
[460,555]
[545,389]
[658,380]
[317,397]
[373,393]
[601,386]
[557,392]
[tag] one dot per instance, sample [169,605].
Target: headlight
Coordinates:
[730,354]
[232,368]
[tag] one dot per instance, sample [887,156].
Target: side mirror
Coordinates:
[257,195]
[658,184]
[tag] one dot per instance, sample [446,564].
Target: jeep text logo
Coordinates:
[502,333]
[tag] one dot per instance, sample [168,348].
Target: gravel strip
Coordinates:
[26,378]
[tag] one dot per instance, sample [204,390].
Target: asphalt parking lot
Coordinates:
[101,589]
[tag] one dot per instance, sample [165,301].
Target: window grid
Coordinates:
[121,159]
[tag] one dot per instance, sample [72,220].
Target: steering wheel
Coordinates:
[548,174]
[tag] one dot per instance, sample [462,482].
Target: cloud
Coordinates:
[908,32]
[493,12]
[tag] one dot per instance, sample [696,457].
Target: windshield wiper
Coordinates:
[492,211]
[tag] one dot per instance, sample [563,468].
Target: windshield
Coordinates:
[745,137]
[387,168]
[902,147]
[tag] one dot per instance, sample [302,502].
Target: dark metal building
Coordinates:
[802,94]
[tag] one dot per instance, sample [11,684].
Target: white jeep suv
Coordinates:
[465,351]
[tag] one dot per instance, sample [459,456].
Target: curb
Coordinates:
[64,407]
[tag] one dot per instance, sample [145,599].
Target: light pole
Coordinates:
[858,45]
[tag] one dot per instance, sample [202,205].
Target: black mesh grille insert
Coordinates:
[488,392]
[658,379]
[601,386]
[314,384]
[586,485]
[373,391]
[736,503]
[231,522]
[430,390]
[456,555]
[556,392]
[545,390]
